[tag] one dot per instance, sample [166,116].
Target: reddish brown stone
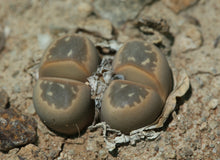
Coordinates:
[16,129]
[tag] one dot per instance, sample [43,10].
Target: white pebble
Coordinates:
[213,104]
[44,40]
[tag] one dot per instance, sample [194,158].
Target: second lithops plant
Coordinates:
[141,96]
[138,100]
[61,98]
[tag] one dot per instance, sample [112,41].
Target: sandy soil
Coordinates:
[193,133]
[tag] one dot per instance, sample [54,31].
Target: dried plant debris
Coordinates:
[181,86]
[100,80]
[157,31]
[108,47]
[16,129]
[158,24]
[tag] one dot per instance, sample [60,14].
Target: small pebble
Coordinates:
[2,40]
[71,152]
[214,150]
[103,154]
[15,74]
[203,146]
[213,124]
[58,30]
[85,8]
[203,126]
[213,103]
[44,40]
[118,12]
[218,132]
[189,39]
[31,109]
[185,152]
[211,145]
[205,114]
[91,145]
[7,31]
[99,27]
[212,137]
[17,88]
[156,148]
[4,98]
[188,152]
[171,154]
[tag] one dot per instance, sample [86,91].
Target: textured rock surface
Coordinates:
[16,130]
[190,38]
[179,5]
[118,12]
[98,27]
[31,152]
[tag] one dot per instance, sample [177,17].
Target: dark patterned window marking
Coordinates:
[140,54]
[59,94]
[123,94]
[67,48]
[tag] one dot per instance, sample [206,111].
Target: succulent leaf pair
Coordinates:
[138,100]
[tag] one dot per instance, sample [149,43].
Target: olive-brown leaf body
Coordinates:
[63,105]
[144,63]
[72,57]
[128,105]
[61,98]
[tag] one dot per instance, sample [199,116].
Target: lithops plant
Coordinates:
[61,98]
[138,100]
